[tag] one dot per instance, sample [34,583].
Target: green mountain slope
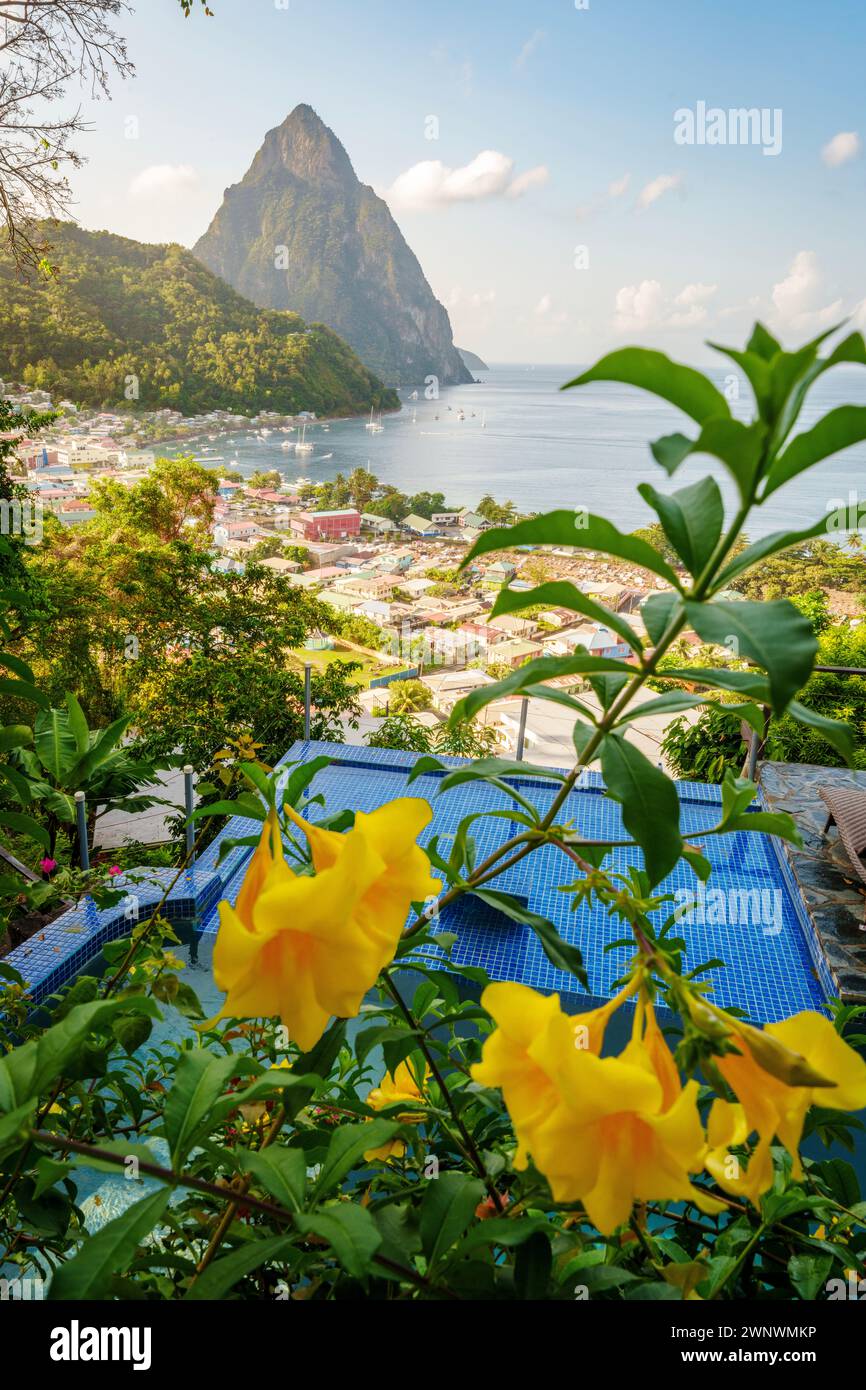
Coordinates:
[123,316]
[300,231]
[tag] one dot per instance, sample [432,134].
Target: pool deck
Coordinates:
[833,895]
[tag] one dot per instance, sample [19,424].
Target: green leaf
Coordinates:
[687,389]
[245,805]
[562,528]
[774,634]
[691,518]
[77,723]
[107,1253]
[671,702]
[350,1231]
[26,825]
[55,743]
[763,344]
[301,777]
[837,430]
[756,368]
[650,805]
[17,666]
[671,450]
[132,1032]
[532,1268]
[562,594]
[447,1211]
[15,736]
[220,1277]
[319,1060]
[24,690]
[739,447]
[280,1171]
[544,668]
[18,782]
[768,545]
[559,952]
[101,750]
[15,1126]
[752,684]
[30,1069]
[809,1274]
[348,1145]
[198,1082]
[835,731]
[658,611]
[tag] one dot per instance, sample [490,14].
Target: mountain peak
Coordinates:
[305,147]
[301,232]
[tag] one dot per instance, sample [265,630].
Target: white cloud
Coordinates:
[844,146]
[619,187]
[529,48]
[533,178]
[477,299]
[657,188]
[646,306]
[489,175]
[639,306]
[161,180]
[547,314]
[798,299]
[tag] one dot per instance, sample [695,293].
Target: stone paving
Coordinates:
[834,896]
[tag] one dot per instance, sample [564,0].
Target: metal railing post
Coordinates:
[81,823]
[189,802]
[521,732]
[308,671]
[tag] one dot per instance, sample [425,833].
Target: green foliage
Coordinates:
[289,1176]
[409,697]
[122,312]
[703,751]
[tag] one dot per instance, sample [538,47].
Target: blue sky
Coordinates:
[682,242]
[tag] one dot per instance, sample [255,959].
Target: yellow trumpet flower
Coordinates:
[392,1090]
[305,948]
[778,1109]
[605,1131]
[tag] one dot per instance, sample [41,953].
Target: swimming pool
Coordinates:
[774,964]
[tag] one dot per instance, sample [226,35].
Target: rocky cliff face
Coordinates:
[301,232]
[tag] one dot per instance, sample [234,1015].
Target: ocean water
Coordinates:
[523,438]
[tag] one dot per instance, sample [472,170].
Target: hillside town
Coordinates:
[421,615]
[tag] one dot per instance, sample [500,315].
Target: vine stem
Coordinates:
[529,840]
[241,1187]
[469,1143]
[210,1189]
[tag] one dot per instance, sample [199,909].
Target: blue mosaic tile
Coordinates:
[774,967]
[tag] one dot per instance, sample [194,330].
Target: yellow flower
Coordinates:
[605,1131]
[805,1045]
[306,947]
[392,1090]
[727,1126]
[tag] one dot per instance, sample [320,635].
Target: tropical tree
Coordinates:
[46,765]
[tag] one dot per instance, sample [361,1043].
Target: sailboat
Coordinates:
[302,447]
[370,424]
[484,420]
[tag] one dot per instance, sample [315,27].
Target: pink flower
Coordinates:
[115,870]
[48,865]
